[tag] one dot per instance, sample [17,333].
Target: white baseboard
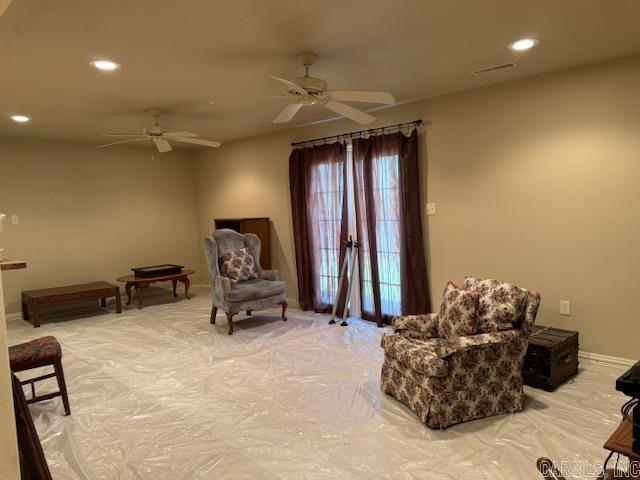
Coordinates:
[599,359]
[13,316]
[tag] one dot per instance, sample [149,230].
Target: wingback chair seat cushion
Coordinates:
[452,380]
[254,289]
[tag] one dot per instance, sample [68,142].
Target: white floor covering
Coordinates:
[159,393]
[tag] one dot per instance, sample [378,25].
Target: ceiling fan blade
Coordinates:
[287,113]
[180,134]
[247,99]
[349,112]
[123,141]
[362,96]
[197,141]
[162,145]
[123,135]
[297,88]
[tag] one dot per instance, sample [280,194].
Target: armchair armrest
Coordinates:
[426,324]
[426,357]
[512,338]
[272,275]
[224,283]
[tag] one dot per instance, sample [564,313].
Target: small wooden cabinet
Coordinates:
[260,226]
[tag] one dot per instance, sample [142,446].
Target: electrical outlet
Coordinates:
[431,208]
[15,219]
[565,307]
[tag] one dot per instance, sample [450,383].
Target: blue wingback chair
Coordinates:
[256,294]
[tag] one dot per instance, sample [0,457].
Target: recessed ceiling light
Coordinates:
[106,65]
[524,44]
[20,118]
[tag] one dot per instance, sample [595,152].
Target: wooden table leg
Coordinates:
[140,293]
[230,320]
[103,302]
[127,288]
[35,315]
[118,303]
[186,282]
[175,284]
[25,310]
[63,386]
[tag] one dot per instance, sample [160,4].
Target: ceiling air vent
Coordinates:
[495,68]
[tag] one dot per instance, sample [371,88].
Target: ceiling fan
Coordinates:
[160,135]
[307,91]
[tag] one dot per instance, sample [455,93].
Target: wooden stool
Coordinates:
[40,353]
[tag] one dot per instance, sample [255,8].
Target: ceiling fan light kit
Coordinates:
[160,135]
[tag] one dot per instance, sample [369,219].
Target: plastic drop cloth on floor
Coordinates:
[159,393]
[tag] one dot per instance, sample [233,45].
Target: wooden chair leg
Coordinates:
[230,320]
[62,386]
[284,310]
[214,312]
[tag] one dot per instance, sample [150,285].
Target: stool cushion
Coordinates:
[33,354]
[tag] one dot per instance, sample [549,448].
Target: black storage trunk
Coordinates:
[552,357]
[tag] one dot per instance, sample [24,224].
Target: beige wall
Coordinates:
[535,182]
[9,469]
[88,214]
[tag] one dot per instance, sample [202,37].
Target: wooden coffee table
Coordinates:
[140,283]
[32,300]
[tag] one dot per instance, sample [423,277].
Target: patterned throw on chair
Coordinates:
[446,375]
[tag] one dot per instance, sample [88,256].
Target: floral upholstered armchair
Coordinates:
[465,362]
[242,285]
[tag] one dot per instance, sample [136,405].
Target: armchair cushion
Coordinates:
[501,304]
[458,312]
[254,290]
[238,265]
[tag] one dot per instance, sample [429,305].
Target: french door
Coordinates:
[372,218]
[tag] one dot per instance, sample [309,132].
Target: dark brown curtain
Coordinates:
[393,276]
[317,177]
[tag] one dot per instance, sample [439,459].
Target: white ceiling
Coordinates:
[181,54]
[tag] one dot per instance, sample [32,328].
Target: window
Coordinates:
[387,229]
[386,205]
[326,214]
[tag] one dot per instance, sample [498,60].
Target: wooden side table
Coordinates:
[140,283]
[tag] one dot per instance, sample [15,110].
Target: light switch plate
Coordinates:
[565,307]
[15,219]
[431,208]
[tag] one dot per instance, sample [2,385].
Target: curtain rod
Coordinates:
[357,134]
